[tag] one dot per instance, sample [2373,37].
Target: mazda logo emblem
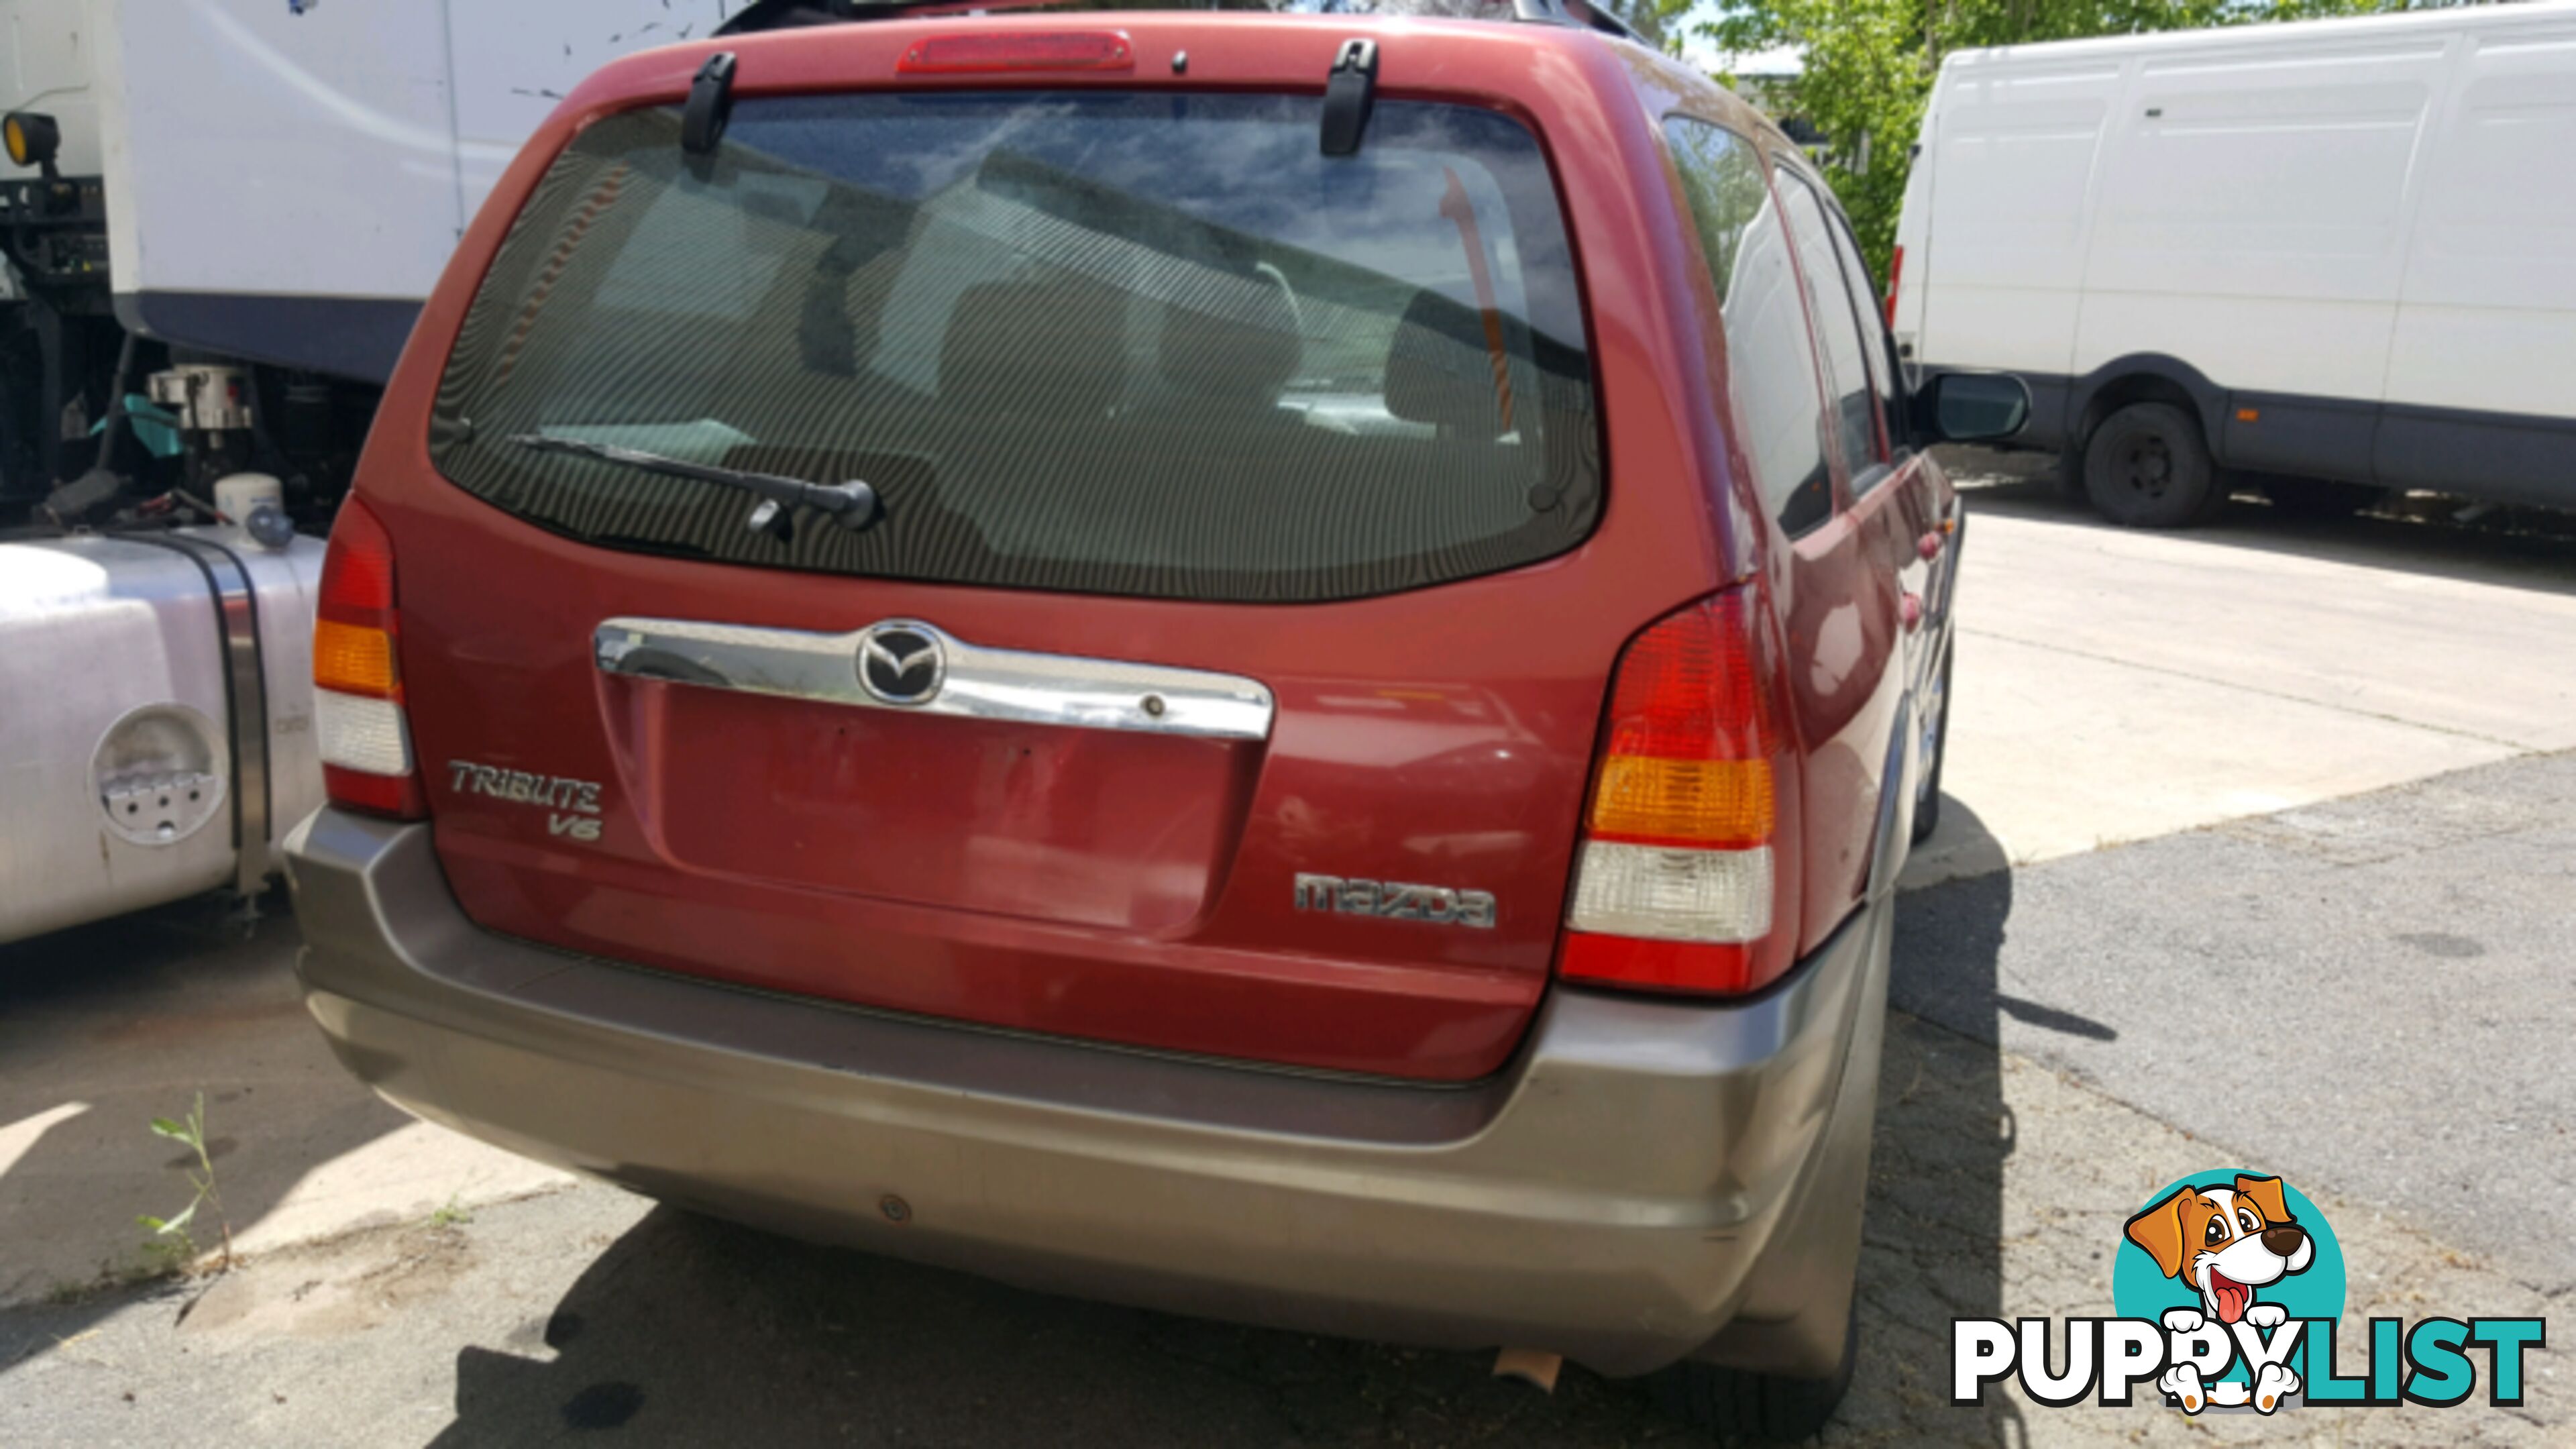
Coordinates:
[901,662]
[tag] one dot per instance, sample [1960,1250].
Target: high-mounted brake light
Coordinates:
[1895,274]
[357,684]
[1040,50]
[1679,884]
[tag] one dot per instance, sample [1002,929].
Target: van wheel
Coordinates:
[2318,497]
[1737,1406]
[1936,747]
[2146,467]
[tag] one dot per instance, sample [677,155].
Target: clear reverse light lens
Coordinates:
[362,734]
[1673,895]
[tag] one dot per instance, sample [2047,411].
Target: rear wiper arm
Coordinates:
[853,505]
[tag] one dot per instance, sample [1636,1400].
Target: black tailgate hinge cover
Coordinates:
[1349,92]
[702,124]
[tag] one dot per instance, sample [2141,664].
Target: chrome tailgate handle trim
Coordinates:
[962,679]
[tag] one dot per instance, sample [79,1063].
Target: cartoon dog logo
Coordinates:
[2224,1242]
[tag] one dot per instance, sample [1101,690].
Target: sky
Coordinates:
[1761,62]
[1774,61]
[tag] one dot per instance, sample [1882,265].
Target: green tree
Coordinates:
[1659,22]
[1869,66]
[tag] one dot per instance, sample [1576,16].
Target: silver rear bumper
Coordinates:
[1645,1180]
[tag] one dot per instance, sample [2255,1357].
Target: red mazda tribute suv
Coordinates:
[1268,665]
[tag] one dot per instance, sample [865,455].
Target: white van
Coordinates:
[2340,255]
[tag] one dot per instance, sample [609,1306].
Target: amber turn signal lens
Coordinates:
[353,659]
[1683,802]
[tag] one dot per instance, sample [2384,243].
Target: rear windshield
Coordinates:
[1101,342]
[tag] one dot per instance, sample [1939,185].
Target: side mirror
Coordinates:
[1970,407]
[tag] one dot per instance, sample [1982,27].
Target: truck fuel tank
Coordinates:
[156,718]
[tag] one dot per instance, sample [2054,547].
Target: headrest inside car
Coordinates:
[1247,356]
[1052,349]
[1439,368]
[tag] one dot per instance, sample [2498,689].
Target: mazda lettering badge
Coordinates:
[902,662]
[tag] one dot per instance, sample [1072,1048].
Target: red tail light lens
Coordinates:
[1049,50]
[358,716]
[1681,886]
[1895,274]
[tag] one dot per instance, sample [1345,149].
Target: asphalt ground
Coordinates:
[2186,911]
[2373,992]
[2014,1135]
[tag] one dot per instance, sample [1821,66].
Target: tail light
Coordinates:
[979,54]
[1685,882]
[1895,274]
[357,684]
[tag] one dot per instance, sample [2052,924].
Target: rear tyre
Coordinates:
[2318,497]
[2146,467]
[1936,746]
[1737,1405]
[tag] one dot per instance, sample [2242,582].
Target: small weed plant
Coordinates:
[172,1246]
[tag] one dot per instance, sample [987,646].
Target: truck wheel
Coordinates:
[2146,467]
[1737,1405]
[2318,497]
[1936,746]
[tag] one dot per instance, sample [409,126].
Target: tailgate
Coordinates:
[1224,672]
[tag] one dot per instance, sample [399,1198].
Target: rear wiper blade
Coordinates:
[853,505]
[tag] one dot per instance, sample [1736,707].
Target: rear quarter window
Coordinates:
[1771,360]
[1840,315]
[1096,342]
